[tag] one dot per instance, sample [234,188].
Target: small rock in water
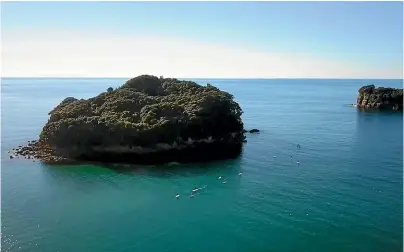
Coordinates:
[274,156]
[11,157]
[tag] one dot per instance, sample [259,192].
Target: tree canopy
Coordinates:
[144,111]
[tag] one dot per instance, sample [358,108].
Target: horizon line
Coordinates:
[218,78]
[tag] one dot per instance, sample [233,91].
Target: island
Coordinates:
[380,98]
[148,120]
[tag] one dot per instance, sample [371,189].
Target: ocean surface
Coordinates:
[345,195]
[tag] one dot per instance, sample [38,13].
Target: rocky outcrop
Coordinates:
[381,98]
[146,120]
[251,131]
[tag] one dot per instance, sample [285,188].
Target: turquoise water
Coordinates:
[346,194]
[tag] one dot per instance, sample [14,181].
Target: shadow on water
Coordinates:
[378,130]
[161,170]
[370,122]
[174,169]
[379,111]
[89,178]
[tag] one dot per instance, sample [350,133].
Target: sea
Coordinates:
[345,194]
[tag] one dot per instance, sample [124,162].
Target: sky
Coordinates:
[203,39]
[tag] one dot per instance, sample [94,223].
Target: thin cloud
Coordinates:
[75,54]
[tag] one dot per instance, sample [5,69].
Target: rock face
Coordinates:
[147,120]
[382,98]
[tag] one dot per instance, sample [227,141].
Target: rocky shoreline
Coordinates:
[205,150]
[36,151]
[198,153]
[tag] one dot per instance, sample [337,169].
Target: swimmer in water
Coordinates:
[220,177]
[274,156]
[224,182]
[177,196]
[196,191]
[298,162]
[240,173]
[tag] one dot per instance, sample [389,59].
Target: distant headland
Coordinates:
[380,98]
[148,120]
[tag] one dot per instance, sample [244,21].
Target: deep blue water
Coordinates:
[346,194]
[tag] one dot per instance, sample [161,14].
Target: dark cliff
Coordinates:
[381,98]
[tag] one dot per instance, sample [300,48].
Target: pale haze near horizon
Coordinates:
[52,51]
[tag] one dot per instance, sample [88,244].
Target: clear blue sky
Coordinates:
[366,33]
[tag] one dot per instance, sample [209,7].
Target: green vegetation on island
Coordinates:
[145,115]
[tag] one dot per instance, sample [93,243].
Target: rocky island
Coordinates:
[148,120]
[380,98]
